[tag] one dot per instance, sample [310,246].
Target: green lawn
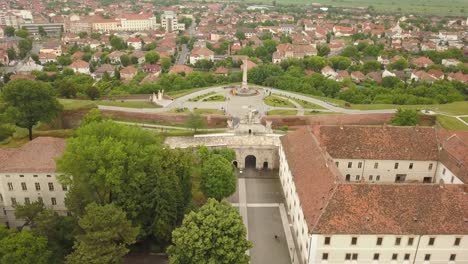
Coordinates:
[205,111]
[426,7]
[177,94]
[451,123]
[306,104]
[198,98]
[73,104]
[282,112]
[465,118]
[278,101]
[215,98]
[320,113]
[129,104]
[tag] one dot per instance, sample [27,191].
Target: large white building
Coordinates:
[170,22]
[376,194]
[28,174]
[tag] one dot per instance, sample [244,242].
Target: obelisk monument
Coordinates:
[244,86]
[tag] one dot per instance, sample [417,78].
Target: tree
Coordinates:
[22,33]
[83,34]
[11,52]
[29,212]
[323,50]
[165,64]
[24,45]
[213,234]
[151,57]
[125,60]
[195,121]
[399,64]
[107,234]
[315,63]
[23,248]
[240,35]
[94,115]
[217,178]
[371,65]
[9,31]
[29,102]
[93,93]
[126,166]
[405,117]
[42,32]
[340,63]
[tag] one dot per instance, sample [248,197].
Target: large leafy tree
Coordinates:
[213,234]
[28,102]
[405,117]
[151,57]
[107,234]
[217,178]
[128,166]
[23,247]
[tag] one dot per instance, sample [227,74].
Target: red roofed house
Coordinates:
[135,43]
[80,66]
[128,73]
[360,194]
[200,53]
[180,68]
[28,174]
[422,62]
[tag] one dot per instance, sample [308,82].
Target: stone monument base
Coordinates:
[239,91]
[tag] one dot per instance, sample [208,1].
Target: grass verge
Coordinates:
[451,123]
[282,112]
[278,102]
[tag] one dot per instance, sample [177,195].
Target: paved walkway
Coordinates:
[261,205]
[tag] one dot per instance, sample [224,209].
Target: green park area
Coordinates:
[73,104]
[282,112]
[277,101]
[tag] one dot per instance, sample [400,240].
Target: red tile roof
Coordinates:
[380,143]
[37,155]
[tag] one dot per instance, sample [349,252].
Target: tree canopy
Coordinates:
[217,178]
[28,102]
[213,234]
[405,117]
[23,247]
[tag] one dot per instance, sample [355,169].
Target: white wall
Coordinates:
[443,173]
[19,194]
[386,169]
[366,247]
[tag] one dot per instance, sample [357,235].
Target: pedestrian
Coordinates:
[276,237]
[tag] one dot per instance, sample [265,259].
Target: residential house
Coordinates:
[128,73]
[80,66]
[201,54]
[47,57]
[285,51]
[422,62]
[135,43]
[180,69]
[103,69]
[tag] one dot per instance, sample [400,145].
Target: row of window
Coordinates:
[53,200]
[35,176]
[37,185]
[379,241]
[376,165]
[354,256]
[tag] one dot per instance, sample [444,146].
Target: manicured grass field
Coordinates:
[306,104]
[73,104]
[282,112]
[201,96]
[278,102]
[435,7]
[451,123]
[320,113]
[465,118]
[205,111]
[177,94]
[129,104]
[215,98]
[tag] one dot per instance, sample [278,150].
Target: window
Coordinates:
[348,256]
[1,197]
[410,241]
[427,257]
[51,186]
[327,240]
[357,177]
[457,241]
[48,176]
[371,177]
[396,165]
[350,164]
[53,200]
[27,201]
[353,240]
[376,256]
[21,176]
[411,166]
[430,166]
[377,178]
[64,188]
[398,241]
[348,177]
[431,241]
[23,186]
[10,186]
[359,165]
[407,256]
[379,241]
[39,199]
[35,175]
[452,179]
[427,179]
[337,164]
[443,171]
[38,186]
[355,256]
[453,257]
[376,165]
[13,201]
[394,256]
[324,256]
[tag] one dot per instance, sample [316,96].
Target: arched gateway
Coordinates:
[250,162]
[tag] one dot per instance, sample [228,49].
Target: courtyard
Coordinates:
[261,203]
